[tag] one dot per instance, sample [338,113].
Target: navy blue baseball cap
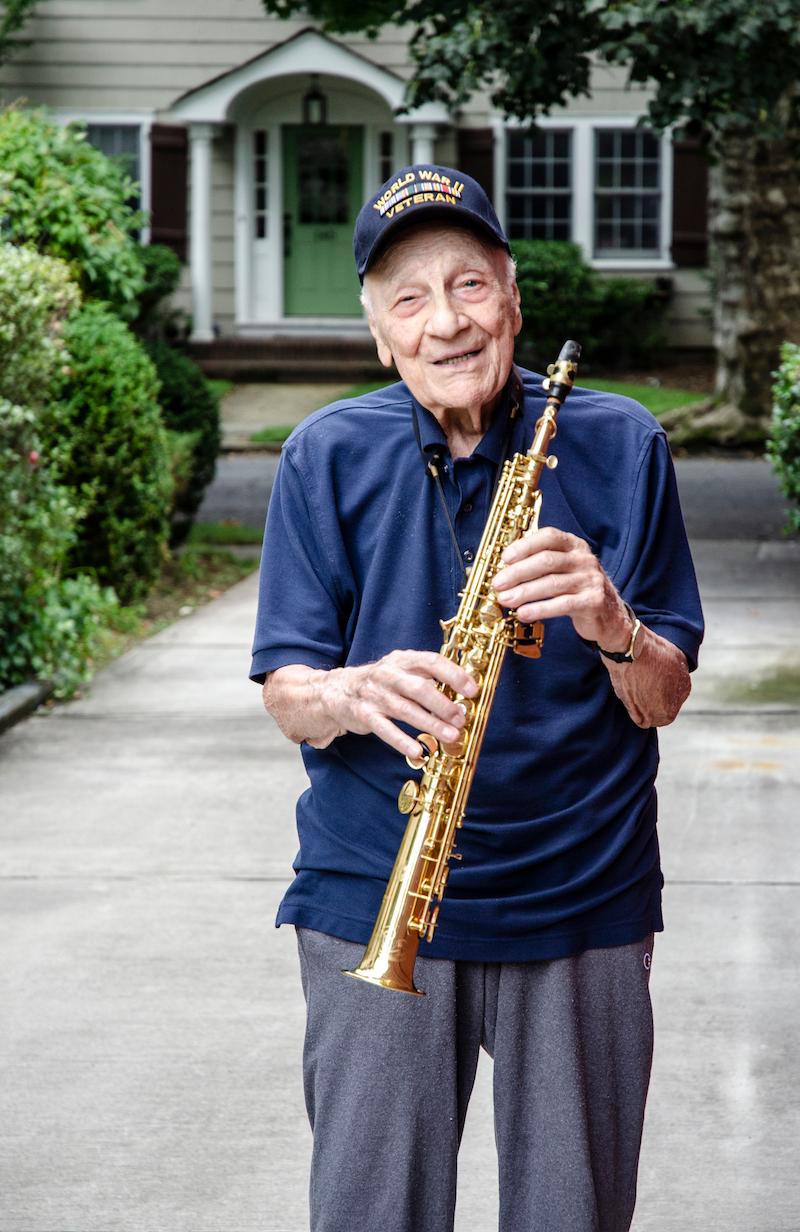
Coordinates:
[422,192]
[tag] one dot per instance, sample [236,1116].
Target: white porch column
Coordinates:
[422,139]
[200,137]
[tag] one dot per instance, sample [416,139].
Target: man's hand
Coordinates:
[316,706]
[553,573]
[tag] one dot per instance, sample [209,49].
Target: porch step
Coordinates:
[288,359]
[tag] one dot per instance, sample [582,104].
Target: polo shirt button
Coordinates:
[468,507]
[467,554]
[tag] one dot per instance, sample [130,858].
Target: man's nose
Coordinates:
[445,320]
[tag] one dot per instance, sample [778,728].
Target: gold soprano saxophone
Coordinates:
[476,638]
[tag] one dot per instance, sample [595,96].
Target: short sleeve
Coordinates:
[654,570]
[298,618]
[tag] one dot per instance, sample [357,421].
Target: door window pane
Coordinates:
[322,178]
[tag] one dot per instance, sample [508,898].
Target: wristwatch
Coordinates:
[629,655]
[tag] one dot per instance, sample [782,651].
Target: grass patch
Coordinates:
[186,582]
[781,686]
[220,386]
[658,399]
[275,434]
[227,532]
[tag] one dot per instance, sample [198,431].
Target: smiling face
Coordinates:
[444,305]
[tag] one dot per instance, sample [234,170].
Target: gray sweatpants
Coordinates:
[388,1078]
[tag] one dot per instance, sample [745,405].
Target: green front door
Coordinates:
[322,191]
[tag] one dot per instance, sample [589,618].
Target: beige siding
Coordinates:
[133,56]
[141,55]
[689,315]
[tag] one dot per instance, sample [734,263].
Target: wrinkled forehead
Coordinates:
[414,247]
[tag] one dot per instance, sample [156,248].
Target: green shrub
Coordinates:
[162,271]
[108,444]
[188,405]
[62,196]
[616,320]
[50,622]
[36,293]
[783,443]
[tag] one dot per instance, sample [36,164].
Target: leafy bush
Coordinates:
[188,406]
[162,271]
[783,443]
[107,443]
[62,196]
[50,622]
[36,293]
[616,320]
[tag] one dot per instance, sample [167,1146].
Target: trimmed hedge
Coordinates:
[104,432]
[783,443]
[618,321]
[50,622]
[162,272]
[190,409]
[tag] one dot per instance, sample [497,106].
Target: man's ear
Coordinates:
[517,311]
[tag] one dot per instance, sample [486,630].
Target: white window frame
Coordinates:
[144,120]
[583,184]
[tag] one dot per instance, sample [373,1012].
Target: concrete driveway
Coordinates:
[151,1016]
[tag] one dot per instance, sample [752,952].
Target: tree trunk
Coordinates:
[754,226]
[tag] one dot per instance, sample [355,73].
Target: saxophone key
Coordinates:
[431,746]
[409,794]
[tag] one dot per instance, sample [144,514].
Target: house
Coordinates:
[255,141]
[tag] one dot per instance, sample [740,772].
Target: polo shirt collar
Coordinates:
[491,443]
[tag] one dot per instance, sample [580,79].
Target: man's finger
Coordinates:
[537,541]
[532,566]
[429,663]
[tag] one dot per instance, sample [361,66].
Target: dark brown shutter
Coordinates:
[689,202]
[168,174]
[476,156]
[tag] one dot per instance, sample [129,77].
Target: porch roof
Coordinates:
[308,51]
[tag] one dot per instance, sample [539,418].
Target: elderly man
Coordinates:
[543,949]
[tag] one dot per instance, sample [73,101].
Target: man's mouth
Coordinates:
[457,359]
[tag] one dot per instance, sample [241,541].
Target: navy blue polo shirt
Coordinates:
[560,850]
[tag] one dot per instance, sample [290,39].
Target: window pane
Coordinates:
[516,145]
[561,145]
[650,175]
[260,182]
[627,210]
[120,142]
[538,184]
[322,178]
[516,175]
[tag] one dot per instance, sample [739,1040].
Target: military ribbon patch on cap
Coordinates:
[418,187]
